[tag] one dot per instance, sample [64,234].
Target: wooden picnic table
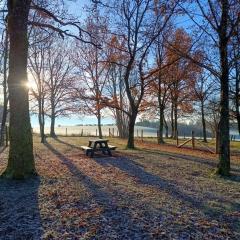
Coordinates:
[96,145]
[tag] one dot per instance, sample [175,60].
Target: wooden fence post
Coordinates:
[137,133]
[66,132]
[96,132]
[142,135]
[109,131]
[113,132]
[193,140]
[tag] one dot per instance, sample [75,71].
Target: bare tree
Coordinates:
[139,24]
[218,23]
[92,67]
[38,68]
[5,90]
[235,75]
[59,82]
[204,88]
[21,160]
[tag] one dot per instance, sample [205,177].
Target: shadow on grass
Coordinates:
[112,213]
[136,170]
[2,149]
[210,163]
[66,143]
[188,198]
[19,209]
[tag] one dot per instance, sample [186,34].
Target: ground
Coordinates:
[153,192]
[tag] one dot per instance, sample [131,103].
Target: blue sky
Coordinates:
[72,121]
[75,8]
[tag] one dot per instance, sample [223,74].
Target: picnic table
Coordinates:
[96,145]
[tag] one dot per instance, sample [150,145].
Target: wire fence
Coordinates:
[112,131]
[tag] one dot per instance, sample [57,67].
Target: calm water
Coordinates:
[92,130]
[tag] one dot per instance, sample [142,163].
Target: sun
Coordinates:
[31,84]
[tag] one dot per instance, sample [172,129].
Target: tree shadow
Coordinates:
[171,187]
[66,143]
[112,213]
[19,209]
[210,163]
[2,149]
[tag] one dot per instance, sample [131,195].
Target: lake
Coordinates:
[91,131]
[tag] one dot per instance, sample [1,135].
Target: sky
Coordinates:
[72,121]
[76,8]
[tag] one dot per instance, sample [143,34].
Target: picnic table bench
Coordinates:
[96,145]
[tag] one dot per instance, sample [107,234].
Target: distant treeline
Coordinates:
[183,128]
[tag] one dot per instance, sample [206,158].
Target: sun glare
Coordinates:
[30,84]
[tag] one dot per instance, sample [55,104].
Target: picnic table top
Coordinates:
[98,140]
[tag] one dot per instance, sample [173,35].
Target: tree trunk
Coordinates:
[52,127]
[175,121]
[166,128]
[172,122]
[41,121]
[5,97]
[161,122]
[99,124]
[21,160]
[132,119]
[237,97]
[203,123]
[224,143]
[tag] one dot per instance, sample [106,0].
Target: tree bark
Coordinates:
[132,119]
[224,143]
[172,122]
[41,120]
[52,127]
[166,128]
[99,124]
[203,123]
[161,122]
[175,121]
[21,160]
[237,97]
[5,97]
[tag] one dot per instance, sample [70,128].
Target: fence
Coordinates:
[193,141]
[112,131]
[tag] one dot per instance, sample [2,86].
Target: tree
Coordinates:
[115,94]
[92,67]
[183,74]
[38,68]
[235,75]
[59,81]
[21,160]
[203,89]
[5,90]
[139,24]
[161,84]
[217,21]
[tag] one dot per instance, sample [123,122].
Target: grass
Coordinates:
[235,145]
[151,192]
